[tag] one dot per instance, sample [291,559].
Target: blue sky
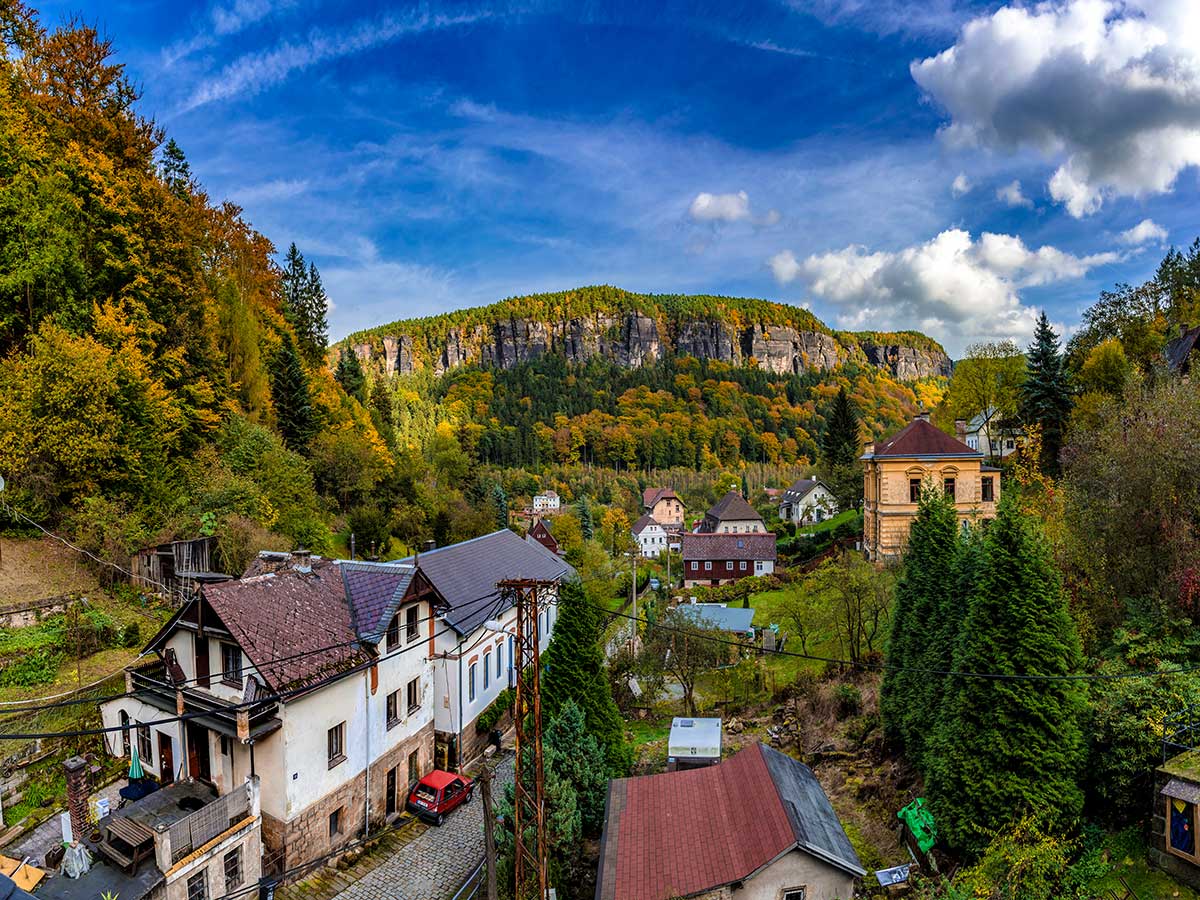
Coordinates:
[939,165]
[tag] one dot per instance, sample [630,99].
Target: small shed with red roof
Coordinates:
[758,825]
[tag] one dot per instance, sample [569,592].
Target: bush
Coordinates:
[38,667]
[848,699]
[487,719]
[131,635]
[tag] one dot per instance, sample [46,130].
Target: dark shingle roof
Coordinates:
[1179,349]
[290,616]
[728,546]
[681,833]
[465,574]
[799,489]
[733,506]
[921,438]
[374,591]
[643,523]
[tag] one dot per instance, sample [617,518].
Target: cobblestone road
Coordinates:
[436,862]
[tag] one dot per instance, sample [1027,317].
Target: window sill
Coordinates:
[413,710]
[337,761]
[229,682]
[392,723]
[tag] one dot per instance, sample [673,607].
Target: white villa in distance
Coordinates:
[546,502]
[651,537]
[807,500]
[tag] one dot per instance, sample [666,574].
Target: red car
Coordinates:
[438,793]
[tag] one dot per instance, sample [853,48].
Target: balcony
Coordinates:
[152,684]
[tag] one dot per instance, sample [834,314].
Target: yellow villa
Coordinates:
[895,471]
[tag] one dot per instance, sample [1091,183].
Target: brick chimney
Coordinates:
[960,429]
[922,414]
[77,796]
[302,560]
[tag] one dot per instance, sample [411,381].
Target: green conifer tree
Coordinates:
[1010,747]
[586,526]
[294,281]
[314,338]
[841,444]
[575,672]
[924,588]
[500,503]
[1045,395]
[350,375]
[294,413]
[175,169]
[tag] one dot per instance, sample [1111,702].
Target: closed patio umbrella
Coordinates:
[135,765]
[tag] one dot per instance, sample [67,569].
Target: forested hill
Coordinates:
[632,329]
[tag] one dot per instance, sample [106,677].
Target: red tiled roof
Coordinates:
[728,546]
[921,438]
[650,496]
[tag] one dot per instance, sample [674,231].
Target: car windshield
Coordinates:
[426,792]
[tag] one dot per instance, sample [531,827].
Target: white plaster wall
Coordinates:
[797,869]
[141,712]
[740,526]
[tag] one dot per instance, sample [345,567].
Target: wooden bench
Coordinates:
[127,843]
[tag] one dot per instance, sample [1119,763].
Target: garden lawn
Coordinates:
[829,524]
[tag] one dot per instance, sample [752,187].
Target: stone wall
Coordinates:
[23,615]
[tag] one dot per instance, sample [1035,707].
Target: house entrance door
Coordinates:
[199,763]
[391,792]
[166,760]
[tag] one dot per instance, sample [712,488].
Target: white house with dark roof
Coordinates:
[333,658]
[472,664]
[651,537]
[807,500]
[732,515]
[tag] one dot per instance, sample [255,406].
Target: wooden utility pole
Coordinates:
[530,863]
[489,822]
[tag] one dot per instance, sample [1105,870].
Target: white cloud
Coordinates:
[1107,89]
[1144,232]
[952,287]
[1011,195]
[720,207]
[232,17]
[961,185]
[886,16]
[254,72]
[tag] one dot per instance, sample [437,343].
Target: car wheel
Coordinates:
[470,795]
[439,820]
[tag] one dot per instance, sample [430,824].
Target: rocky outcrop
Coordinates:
[632,339]
[907,363]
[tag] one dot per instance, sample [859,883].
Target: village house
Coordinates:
[664,506]
[540,533]
[1179,350]
[757,826]
[472,664]
[989,434]
[176,568]
[651,537]
[896,470]
[732,515]
[713,559]
[807,500]
[546,503]
[311,675]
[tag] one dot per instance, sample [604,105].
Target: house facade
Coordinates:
[896,470]
[714,559]
[546,502]
[541,534]
[651,537]
[988,434]
[309,674]
[732,515]
[807,500]
[471,663]
[757,826]
[664,506]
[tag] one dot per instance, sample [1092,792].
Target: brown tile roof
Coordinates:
[650,496]
[290,616]
[681,833]
[733,506]
[921,438]
[728,546]
[643,523]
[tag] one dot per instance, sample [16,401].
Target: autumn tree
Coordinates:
[684,647]
[987,382]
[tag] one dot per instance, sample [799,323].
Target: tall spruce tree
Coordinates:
[294,281]
[294,413]
[349,374]
[1045,395]
[840,444]
[500,504]
[175,169]
[1010,747]
[575,672]
[586,526]
[305,305]
[925,587]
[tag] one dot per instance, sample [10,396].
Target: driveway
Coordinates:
[429,866]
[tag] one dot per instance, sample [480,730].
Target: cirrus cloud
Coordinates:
[953,287]
[1107,89]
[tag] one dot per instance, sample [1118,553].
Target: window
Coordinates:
[471,683]
[988,490]
[695,566]
[914,490]
[793,893]
[226,745]
[742,565]
[487,669]
[231,664]
[145,750]
[499,658]
[393,708]
[335,823]
[707,566]
[233,869]
[1008,445]
[1181,831]
[729,565]
[414,695]
[197,886]
[948,487]
[412,626]
[414,767]
[393,632]
[336,738]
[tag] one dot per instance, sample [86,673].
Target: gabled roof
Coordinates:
[733,506]
[1179,349]
[375,591]
[682,833]
[541,533]
[920,437]
[801,488]
[295,627]
[728,546]
[651,496]
[465,574]
[643,523]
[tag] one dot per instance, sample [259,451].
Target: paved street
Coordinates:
[421,863]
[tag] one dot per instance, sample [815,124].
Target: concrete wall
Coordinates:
[110,716]
[740,526]
[820,880]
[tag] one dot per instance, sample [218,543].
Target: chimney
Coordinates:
[302,560]
[428,545]
[922,414]
[960,429]
[77,796]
